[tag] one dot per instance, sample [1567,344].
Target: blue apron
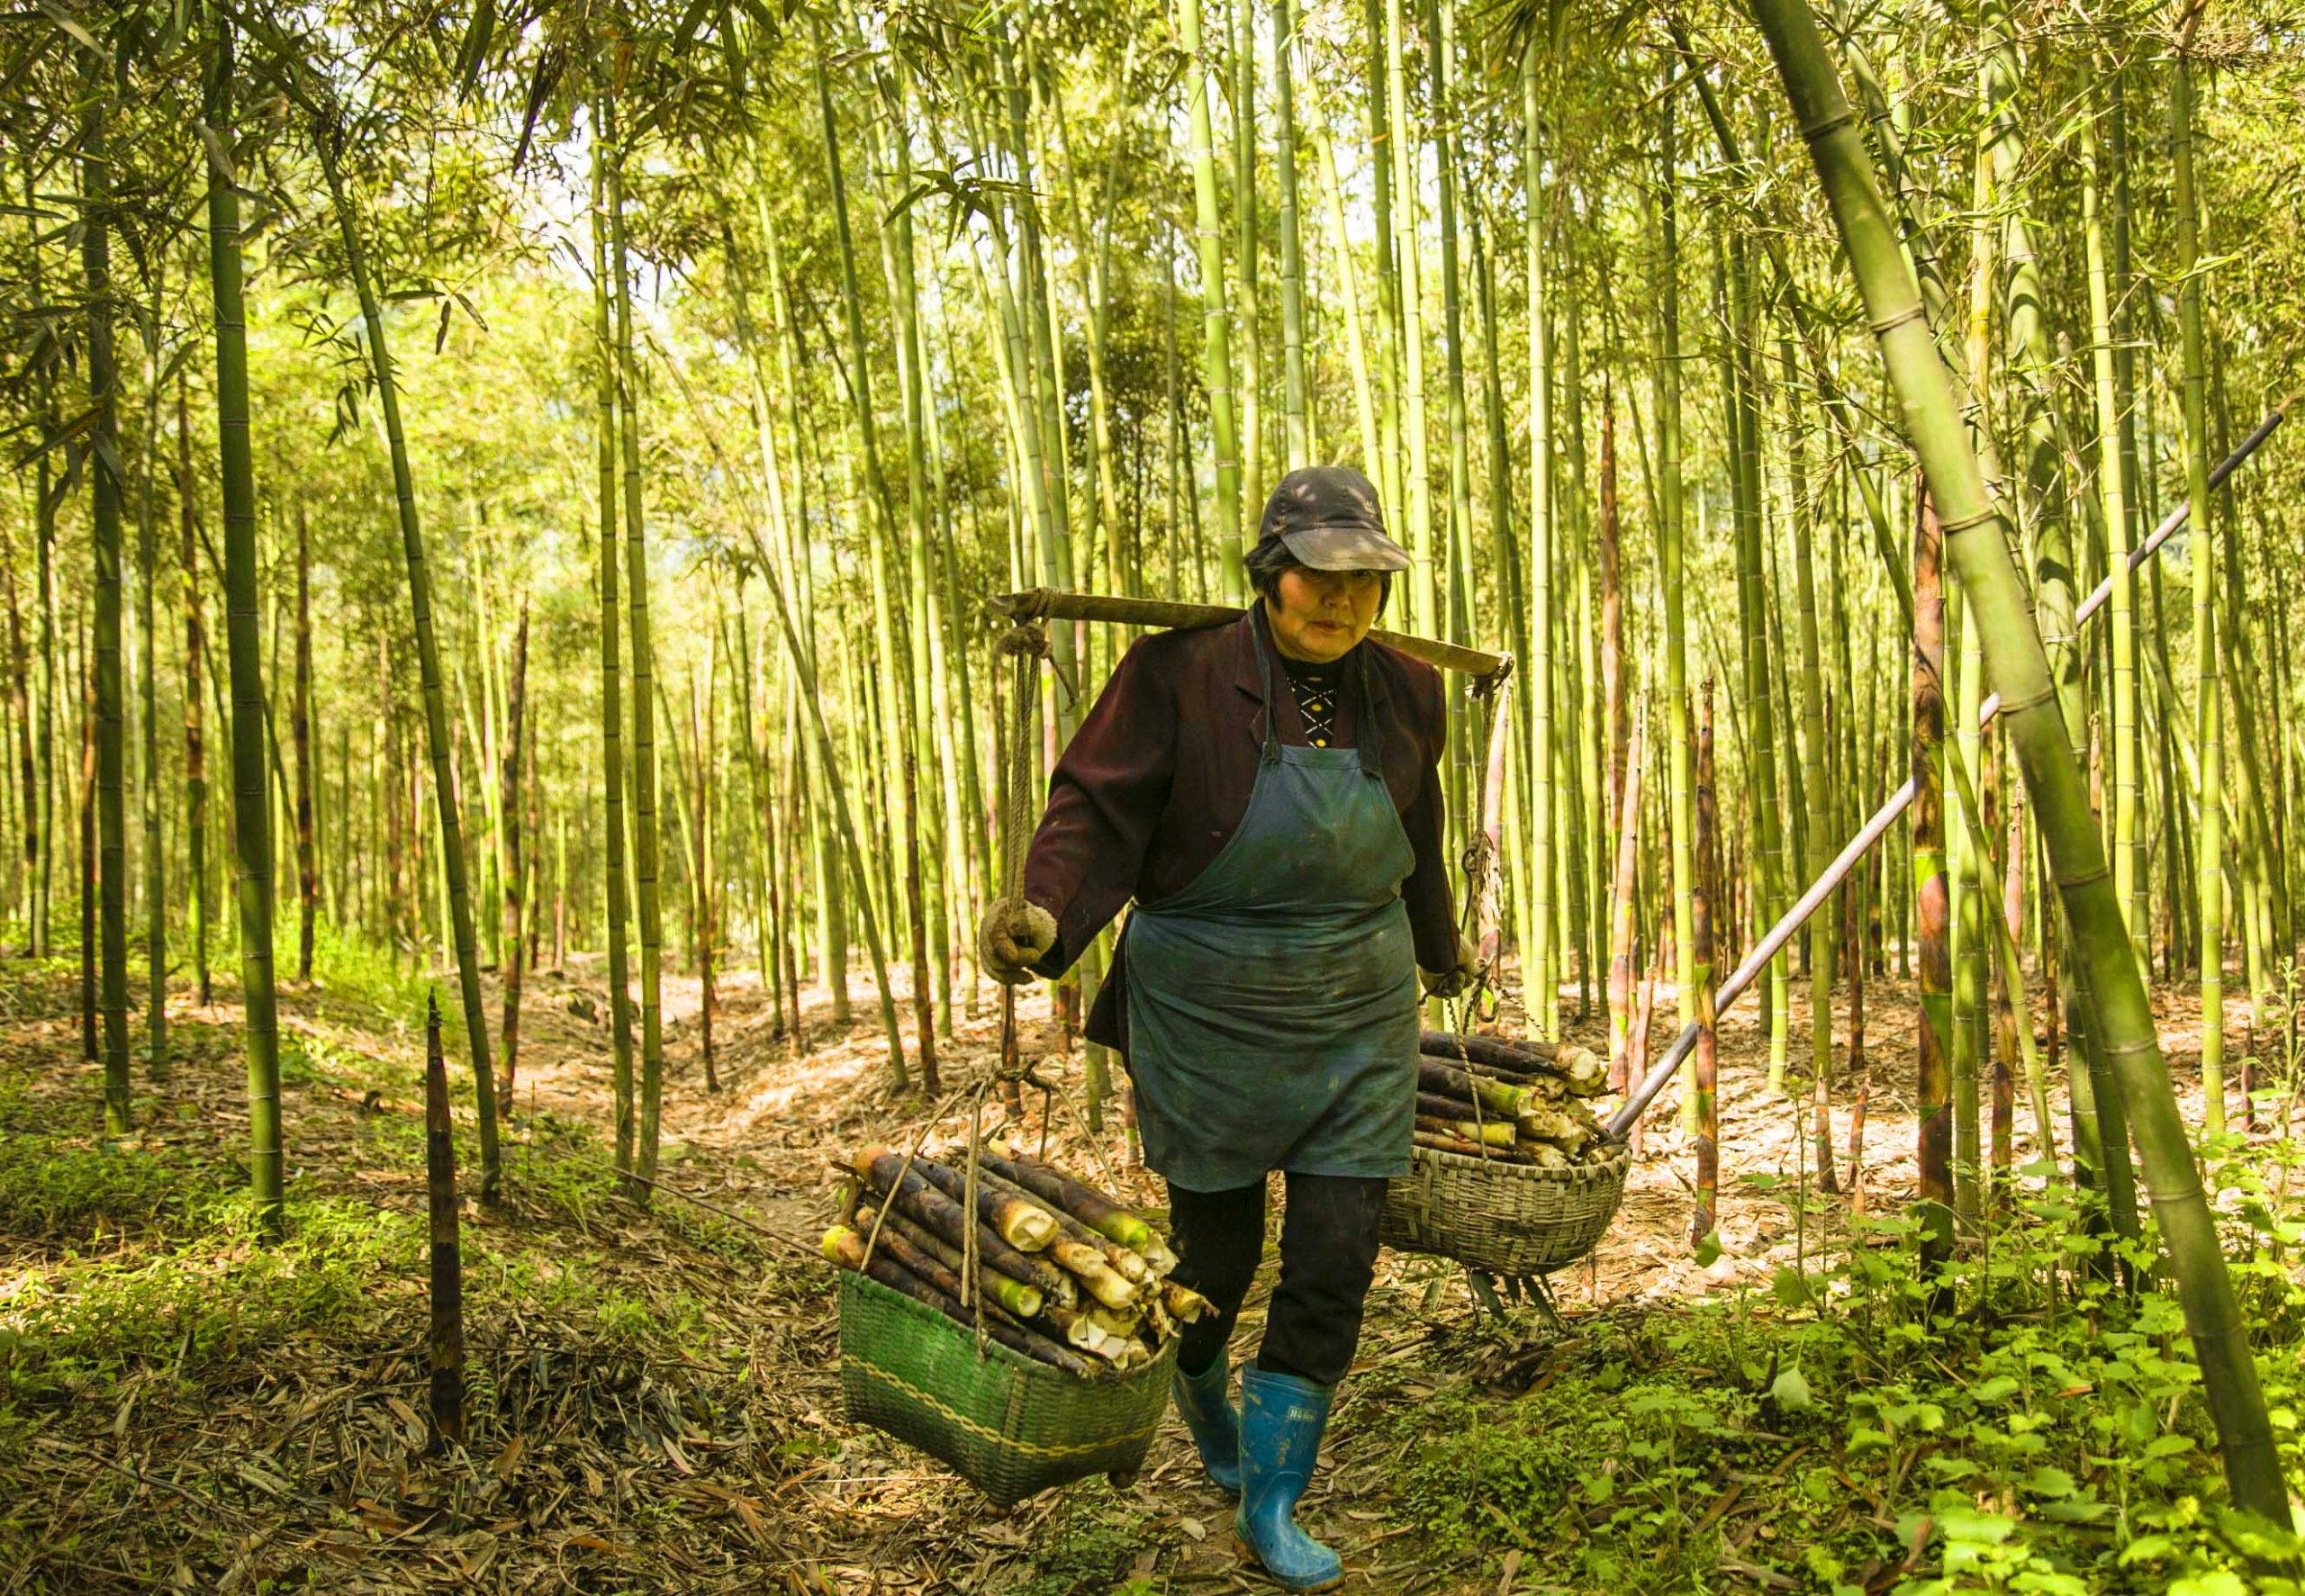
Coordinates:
[1272,1003]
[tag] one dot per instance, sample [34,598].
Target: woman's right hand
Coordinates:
[1013,937]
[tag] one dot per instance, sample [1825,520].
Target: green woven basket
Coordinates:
[1007,1425]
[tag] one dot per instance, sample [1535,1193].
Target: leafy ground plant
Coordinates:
[1828,1435]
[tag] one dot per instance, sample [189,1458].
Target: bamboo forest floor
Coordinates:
[654,1393]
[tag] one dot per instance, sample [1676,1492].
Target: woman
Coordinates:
[1268,793]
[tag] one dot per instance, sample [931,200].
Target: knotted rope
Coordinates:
[1023,645]
[1484,854]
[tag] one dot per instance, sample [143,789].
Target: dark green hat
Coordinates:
[1331,521]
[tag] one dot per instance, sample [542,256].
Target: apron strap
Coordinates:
[1367,730]
[1270,742]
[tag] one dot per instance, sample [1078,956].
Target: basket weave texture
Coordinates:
[1009,1426]
[1512,1219]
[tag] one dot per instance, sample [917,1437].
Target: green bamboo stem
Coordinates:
[1356,339]
[2112,479]
[110,708]
[1401,145]
[1217,352]
[1671,583]
[612,773]
[1247,246]
[2208,554]
[1295,389]
[428,653]
[1541,959]
[646,837]
[251,819]
[1815,793]
[198,906]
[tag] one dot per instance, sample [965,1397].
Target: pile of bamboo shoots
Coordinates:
[1509,1101]
[1063,1273]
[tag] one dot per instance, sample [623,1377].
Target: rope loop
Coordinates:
[1027,637]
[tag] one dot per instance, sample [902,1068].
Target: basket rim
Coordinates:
[1617,1166]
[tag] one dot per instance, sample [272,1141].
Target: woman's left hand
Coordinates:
[1455,981]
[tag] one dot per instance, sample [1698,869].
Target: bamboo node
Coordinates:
[1954,528]
[2048,695]
[1888,324]
[1817,133]
[2102,872]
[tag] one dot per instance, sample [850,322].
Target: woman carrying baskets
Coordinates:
[1269,794]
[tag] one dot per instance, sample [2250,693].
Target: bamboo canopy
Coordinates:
[1048,604]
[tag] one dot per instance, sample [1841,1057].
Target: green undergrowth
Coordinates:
[1842,1431]
[1092,1547]
[144,1263]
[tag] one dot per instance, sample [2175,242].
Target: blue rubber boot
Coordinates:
[1281,1420]
[1207,1404]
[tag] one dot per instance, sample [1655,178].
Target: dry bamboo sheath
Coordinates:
[1790,925]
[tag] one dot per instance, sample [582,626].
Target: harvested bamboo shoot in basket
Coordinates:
[1510,1102]
[1063,1273]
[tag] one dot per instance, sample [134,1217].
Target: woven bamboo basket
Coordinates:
[1009,1426]
[1510,1219]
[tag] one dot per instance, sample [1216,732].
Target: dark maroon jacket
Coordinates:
[1153,783]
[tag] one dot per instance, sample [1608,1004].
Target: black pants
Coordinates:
[1328,1255]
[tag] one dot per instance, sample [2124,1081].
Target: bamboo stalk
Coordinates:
[2119,1015]
[327,135]
[252,819]
[104,853]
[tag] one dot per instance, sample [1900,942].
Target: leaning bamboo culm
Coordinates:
[1051,1277]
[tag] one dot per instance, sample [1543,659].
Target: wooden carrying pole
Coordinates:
[1048,604]
[1783,932]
